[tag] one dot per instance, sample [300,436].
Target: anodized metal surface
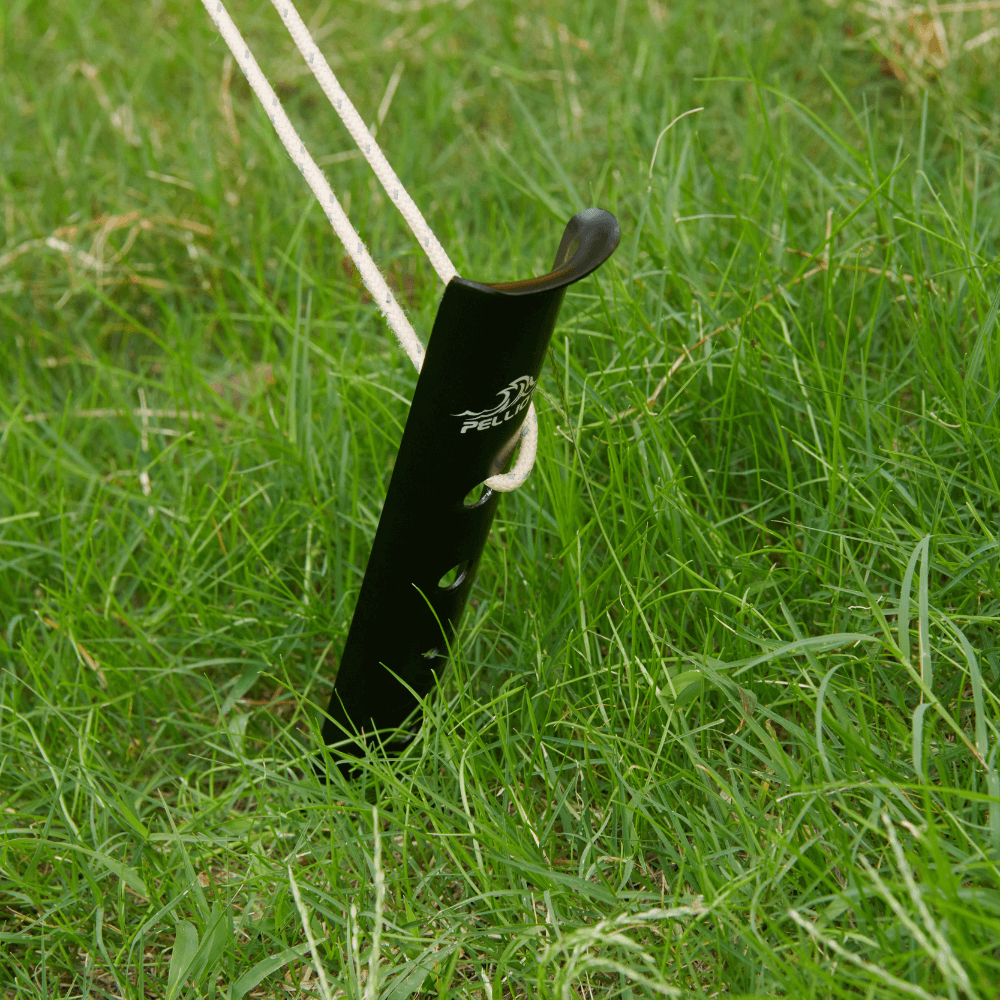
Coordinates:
[482,365]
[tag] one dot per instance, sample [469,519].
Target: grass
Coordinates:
[722,718]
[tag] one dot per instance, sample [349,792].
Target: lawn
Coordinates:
[722,718]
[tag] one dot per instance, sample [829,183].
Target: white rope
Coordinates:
[370,274]
[366,143]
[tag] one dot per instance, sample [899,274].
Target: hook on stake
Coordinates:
[482,364]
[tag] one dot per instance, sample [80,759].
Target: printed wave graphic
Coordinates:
[515,393]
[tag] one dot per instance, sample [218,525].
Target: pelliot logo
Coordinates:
[513,400]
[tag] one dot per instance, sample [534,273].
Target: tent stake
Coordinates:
[482,364]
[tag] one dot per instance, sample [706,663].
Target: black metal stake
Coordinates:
[482,364]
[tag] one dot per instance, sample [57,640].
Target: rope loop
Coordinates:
[346,233]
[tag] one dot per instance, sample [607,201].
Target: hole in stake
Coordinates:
[477,495]
[454,576]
